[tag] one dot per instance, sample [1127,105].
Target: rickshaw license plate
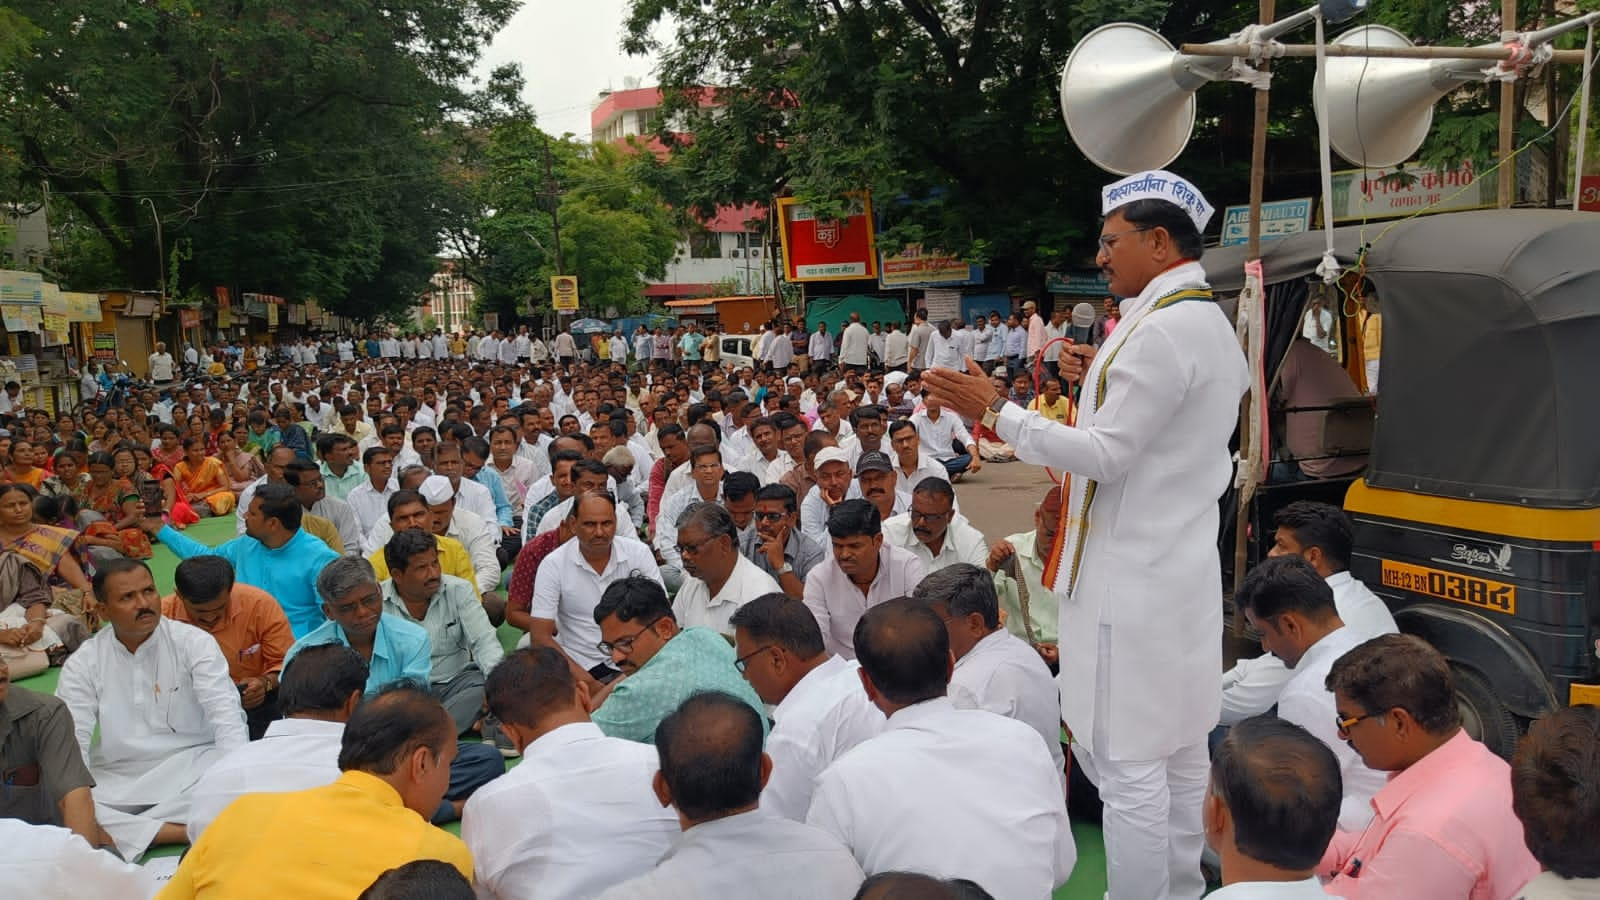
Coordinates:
[1464,589]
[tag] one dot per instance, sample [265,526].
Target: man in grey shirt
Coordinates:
[776,545]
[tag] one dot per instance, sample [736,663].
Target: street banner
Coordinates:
[915,267]
[25,288]
[564,293]
[1078,284]
[1360,194]
[189,318]
[816,249]
[81,306]
[1278,218]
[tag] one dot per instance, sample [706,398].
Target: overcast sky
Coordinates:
[570,50]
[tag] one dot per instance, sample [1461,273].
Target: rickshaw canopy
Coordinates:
[1491,349]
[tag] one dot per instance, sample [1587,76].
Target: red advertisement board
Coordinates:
[816,249]
[1589,193]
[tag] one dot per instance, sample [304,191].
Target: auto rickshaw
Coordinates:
[1477,517]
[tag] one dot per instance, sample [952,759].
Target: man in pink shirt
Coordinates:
[1442,828]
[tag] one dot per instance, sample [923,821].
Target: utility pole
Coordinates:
[1508,117]
[552,191]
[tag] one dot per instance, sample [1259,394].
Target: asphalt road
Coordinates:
[1000,499]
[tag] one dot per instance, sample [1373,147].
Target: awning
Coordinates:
[713,301]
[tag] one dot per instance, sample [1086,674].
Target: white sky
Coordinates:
[569,50]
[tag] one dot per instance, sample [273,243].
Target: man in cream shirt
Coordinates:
[718,579]
[1140,584]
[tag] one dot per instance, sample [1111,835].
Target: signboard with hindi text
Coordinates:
[1589,193]
[1386,193]
[826,249]
[915,267]
[21,288]
[1278,218]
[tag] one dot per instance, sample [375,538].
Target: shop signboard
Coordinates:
[1078,284]
[818,249]
[1589,193]
[105,345]
[81,307]
[21,288]
[915,267]
[1361,194]
[1278,219]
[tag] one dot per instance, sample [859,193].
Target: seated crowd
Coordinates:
[758,652]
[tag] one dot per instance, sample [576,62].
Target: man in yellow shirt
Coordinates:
[1371,340]
[332,842]
[1050,403]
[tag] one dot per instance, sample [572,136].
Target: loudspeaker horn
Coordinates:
[1380,110]
[1128,95]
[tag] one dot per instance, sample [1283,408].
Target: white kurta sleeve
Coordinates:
[216,693]
[77,689]
[1144,389]
[1251,687]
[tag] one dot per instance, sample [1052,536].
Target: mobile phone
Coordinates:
[154,498]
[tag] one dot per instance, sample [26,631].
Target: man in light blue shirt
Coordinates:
[275,554]
[664,665]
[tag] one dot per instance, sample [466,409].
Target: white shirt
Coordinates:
[1253,685]
[165,713]
[370,506]
[567,589]
[1004,675]
[1307,702]
[575,816]
[939,435]
[952,793]
[779,351]
[673,504]
[694,607]
[751,856]
[825,714]
[161,367]
[476,499]
[944,352]
[820,346]
[896,348]
[294,754]
[43,862]
[1139,628]
[853,345]
[475,536]
[838,604]
[962,542]
[489,348]
[508,350]
[966,345]
[927,467]
[522,345]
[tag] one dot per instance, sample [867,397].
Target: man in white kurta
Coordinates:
[1140,582]
[160,695]
[819,711]
[578,814]
[948,792]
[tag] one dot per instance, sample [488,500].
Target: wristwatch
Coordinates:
[992,414]
[787,569]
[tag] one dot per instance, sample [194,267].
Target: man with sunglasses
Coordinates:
[664,665]
[776,545]
[1139,577]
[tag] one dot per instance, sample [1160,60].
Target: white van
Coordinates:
[738,350]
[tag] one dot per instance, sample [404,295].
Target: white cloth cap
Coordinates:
[830,454]
[1158,185]
[436,489]
[894,378]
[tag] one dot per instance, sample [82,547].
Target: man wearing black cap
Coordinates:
[875,474]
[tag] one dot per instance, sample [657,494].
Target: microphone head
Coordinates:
[1083,316]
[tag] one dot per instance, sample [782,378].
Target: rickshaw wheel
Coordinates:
[1484,717]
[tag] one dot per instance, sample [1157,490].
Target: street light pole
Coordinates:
[161,252]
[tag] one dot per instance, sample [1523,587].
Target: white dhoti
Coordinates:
[133,799]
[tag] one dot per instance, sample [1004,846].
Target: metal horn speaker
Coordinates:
[1380,110]
[1128,97]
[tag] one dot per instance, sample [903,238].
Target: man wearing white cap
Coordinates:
[1138,578]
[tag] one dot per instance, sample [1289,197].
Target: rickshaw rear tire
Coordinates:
[1484,716]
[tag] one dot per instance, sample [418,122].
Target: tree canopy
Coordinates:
[292,148]
[950,112]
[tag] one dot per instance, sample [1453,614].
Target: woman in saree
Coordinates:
[21,469]
[242,468]
[46,546]
[110,514]
[69,479]
[168,447]
[204,480]
[175,502]
[33,634]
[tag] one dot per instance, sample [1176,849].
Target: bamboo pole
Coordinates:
[1508,117]
[1307,51]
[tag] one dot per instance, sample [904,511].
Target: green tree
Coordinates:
[616,230]
[950,112]
[300,148]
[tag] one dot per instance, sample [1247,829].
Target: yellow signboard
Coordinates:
[1464,589]
[564,293]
